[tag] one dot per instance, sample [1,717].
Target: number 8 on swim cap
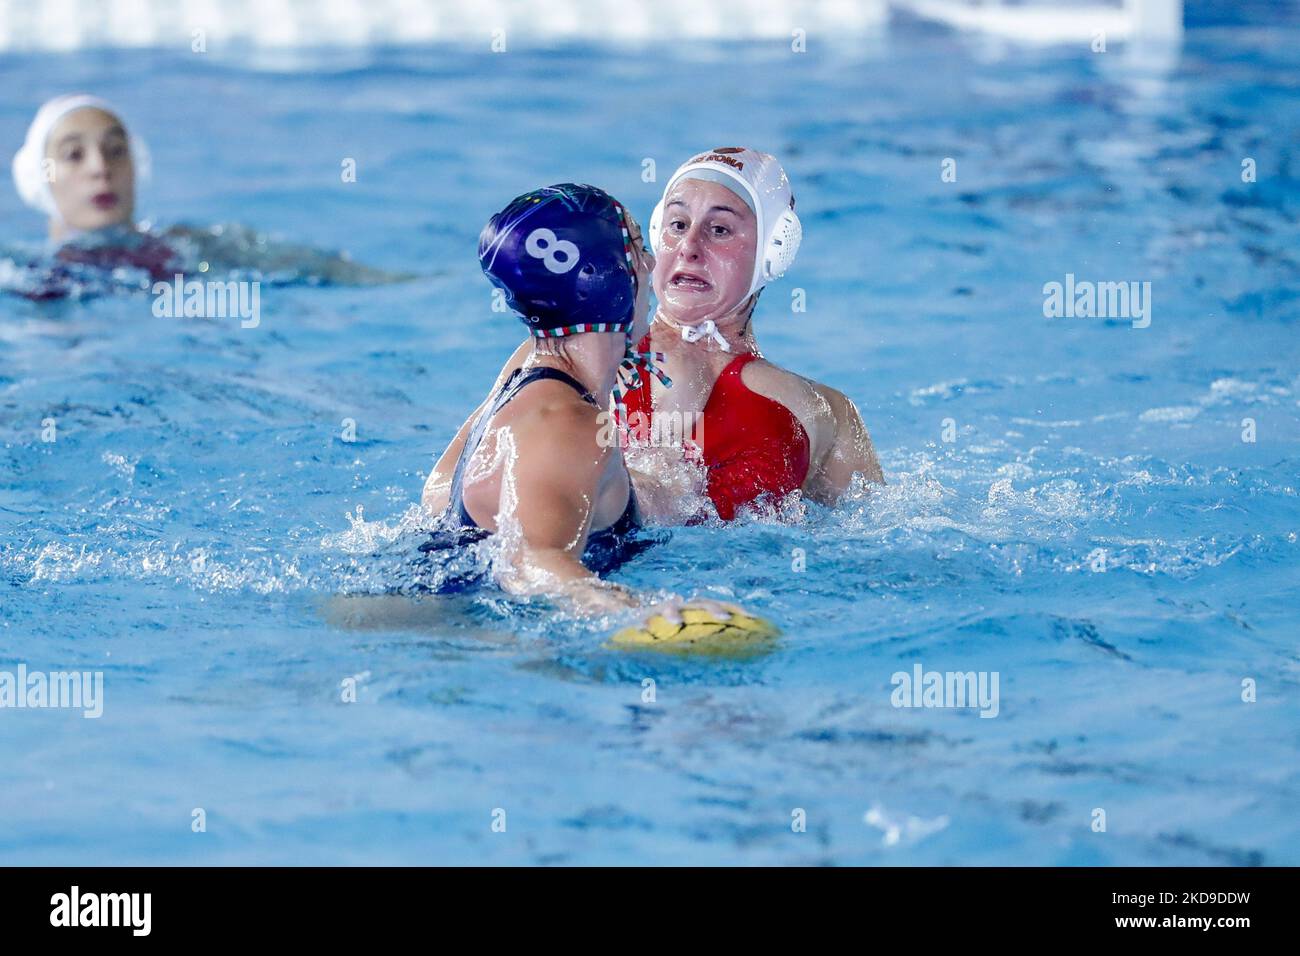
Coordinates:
[542,244]
[759,180]
[563,259]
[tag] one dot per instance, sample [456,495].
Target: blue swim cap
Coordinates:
[563,259]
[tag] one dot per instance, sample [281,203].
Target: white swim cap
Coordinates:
[28,168]
[758,179]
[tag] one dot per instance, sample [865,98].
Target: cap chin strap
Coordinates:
[706,330]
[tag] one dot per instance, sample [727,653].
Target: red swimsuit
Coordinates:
[751,445]
[146,252]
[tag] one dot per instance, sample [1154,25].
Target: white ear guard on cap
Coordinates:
[760,180]
[29,162]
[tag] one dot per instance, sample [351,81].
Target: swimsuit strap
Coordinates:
[546,372]
[733,370]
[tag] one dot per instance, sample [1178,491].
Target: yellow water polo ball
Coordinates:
[700,632]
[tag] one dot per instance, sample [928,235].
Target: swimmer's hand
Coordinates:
[671,609]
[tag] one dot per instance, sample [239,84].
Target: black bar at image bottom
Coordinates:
[210,904]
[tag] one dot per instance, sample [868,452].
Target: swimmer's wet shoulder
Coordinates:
[838,441]
[549,437]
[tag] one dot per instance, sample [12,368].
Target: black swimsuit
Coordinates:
[606,549]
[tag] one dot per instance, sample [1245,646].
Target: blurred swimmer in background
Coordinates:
[80,166]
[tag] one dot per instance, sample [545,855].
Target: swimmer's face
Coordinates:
[94,179]
[706,254]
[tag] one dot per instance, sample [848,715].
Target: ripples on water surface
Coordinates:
[199,506]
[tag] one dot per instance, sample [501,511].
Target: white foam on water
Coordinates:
[899,829]
[1172,413]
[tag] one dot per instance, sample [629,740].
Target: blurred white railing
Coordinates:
[1054,21]
[78,24]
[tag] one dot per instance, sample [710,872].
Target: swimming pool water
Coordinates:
[1097,532]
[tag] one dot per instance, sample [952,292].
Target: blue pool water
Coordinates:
[184,532]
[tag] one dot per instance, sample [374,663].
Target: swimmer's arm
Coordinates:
[558,476]
[832,422]
[558,468]
[849,452]
[557,573]
[668,489]
[437,488]
[241,246]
